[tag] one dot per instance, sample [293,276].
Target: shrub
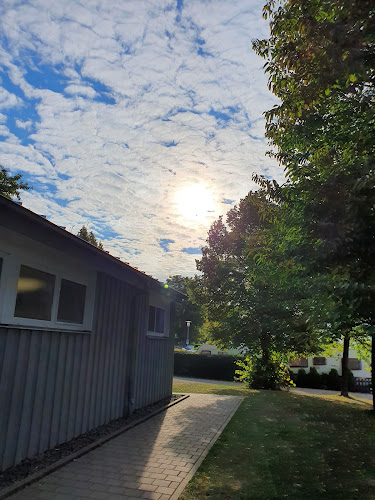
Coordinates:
[313,379]
[351,382]
[333,380]
[300,379]
[214,367]
[260,375]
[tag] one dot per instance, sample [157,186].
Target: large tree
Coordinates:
[320,61]
[10,186]
[252,288]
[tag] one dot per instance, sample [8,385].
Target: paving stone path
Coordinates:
[154,460]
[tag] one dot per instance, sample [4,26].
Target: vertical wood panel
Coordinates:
[114,395]
[67,385]
[81,383]
[126,346]
[40,390]
[105,335]
[72,412]
[110,329]
[96,368]
[16,404]
[58,390]
[29,397]
[7,376]
[49,394]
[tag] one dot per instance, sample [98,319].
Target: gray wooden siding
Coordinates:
[154,364]
[154,375]
[57,385]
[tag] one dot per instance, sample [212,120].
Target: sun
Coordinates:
[195,202]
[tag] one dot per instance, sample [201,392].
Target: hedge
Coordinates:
[215,367]
[314,380]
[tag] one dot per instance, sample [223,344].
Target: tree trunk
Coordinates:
[344,366]
[373,370]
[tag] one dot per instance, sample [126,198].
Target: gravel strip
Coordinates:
[32,465]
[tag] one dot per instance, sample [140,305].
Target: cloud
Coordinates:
[110,109]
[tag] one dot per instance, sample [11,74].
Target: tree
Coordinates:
[320,62]
[186,310]
[251,287]
[84,234]
[10,186]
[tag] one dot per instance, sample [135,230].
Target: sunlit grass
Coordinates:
[202,388]
[288,445]
[341,399]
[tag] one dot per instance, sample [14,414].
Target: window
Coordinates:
[354,364]
[319,361]
[43,287]
[36,291]
[34,294]
[71,302]
[156,317]
[299,363]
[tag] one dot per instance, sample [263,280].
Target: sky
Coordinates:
[141,119]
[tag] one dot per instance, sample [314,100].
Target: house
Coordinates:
[84,338]
[325,364]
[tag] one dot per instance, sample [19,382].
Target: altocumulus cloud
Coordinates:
[109,109]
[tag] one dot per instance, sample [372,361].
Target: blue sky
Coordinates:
[124,115]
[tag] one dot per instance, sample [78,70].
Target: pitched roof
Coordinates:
[9,206]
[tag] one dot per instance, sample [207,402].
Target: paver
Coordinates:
[154,460]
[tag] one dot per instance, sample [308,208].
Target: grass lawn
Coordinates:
[285,445]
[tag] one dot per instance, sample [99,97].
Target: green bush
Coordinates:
[314,380]
[259,374]
[300,378]
[332,380]
[351,382]
[216,367]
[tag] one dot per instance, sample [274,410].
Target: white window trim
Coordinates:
[8,294]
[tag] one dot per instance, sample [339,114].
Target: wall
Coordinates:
[153,372]
[57,385]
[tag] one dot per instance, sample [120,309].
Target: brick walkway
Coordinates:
[154,460]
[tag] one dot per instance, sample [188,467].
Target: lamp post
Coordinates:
[188,323]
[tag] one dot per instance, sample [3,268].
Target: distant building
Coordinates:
[208,349]
[325,364]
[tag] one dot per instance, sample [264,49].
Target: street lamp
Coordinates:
[188,323]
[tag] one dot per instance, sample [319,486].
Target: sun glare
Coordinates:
[195,202]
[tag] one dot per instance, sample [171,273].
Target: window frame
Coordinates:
[299,363]
[159,300]
[154,332]
[354,364]
[8,293]
[319,361]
